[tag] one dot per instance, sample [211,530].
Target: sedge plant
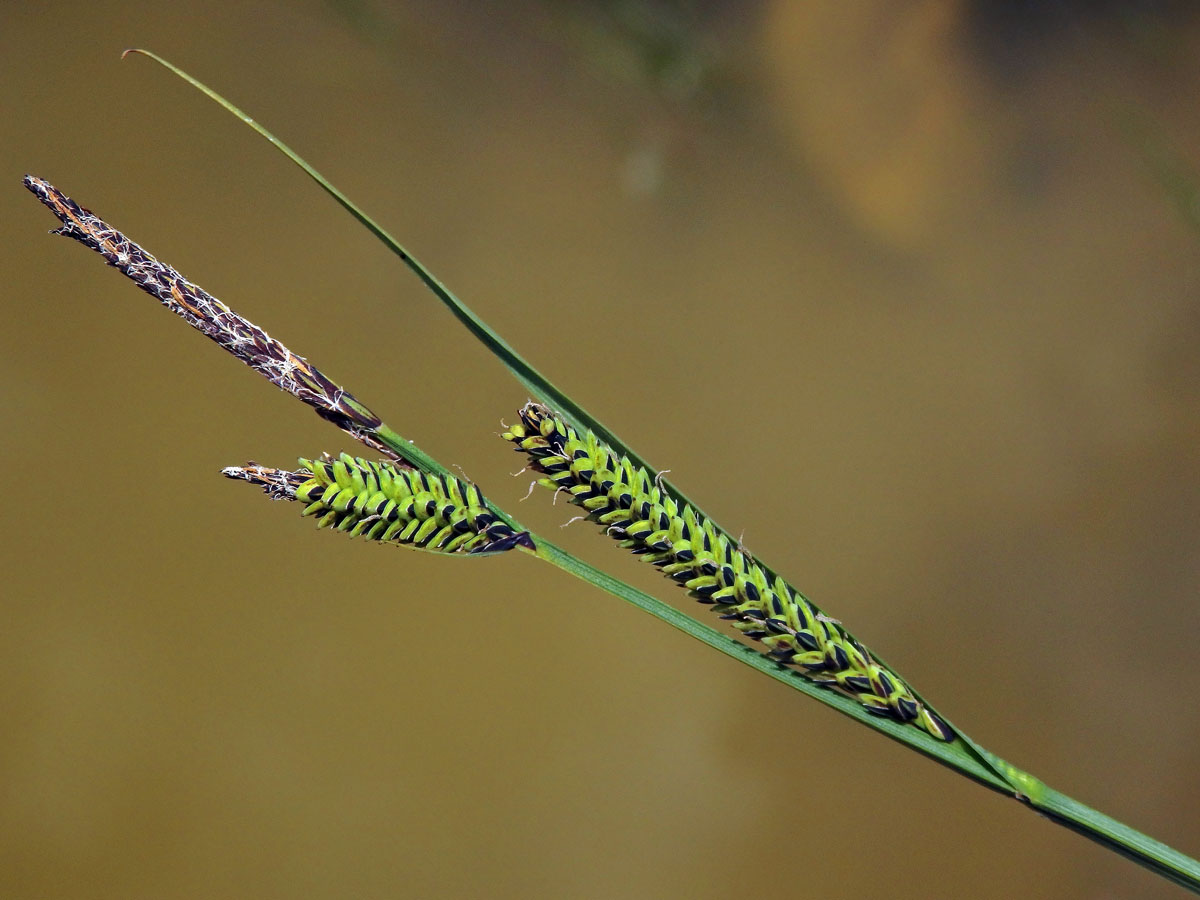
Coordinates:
[407,497]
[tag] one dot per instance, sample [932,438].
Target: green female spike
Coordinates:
[383,502]
[693,552]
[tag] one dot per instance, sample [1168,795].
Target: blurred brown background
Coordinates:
[906,290]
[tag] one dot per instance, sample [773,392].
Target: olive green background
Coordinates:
[890,286]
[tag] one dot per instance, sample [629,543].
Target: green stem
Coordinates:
[1120,838]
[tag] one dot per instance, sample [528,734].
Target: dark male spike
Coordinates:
[211,317]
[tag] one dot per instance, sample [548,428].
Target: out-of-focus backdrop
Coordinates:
[910,292]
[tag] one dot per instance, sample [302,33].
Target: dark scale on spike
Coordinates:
[885,684]
[838,658]
[807,641]
[713,568]
[908,708]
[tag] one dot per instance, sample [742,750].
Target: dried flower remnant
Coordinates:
[207,314]
[687,547]
[381,502]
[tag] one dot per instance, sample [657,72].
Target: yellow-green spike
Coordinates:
[626,501]
[381,501]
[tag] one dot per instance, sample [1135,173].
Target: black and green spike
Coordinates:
[687,547]
[382,501]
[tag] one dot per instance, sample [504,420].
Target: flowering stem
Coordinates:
[297,376]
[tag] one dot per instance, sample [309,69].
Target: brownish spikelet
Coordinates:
[207,314]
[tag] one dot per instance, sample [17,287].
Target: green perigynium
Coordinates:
[690,549]
[382,501]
